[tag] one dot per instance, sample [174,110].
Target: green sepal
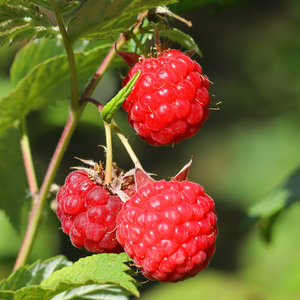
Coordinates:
[114,104]
[181,38]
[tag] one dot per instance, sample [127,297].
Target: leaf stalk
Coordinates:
[105,64]
[27,157]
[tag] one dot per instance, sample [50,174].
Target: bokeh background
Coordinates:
[251,52]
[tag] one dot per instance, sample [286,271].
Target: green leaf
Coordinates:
[113,27]
[68,6]
[114,104]
[12,177]
[99,268]
[265,213]
[97,17]
[23,32]
[181,38]
[47,82]
[33,54]
[95,292]
[36,52]
[43,3]
[21,20]
[33,274]
[96,269]
[24,12]
[143,38]
[63,5]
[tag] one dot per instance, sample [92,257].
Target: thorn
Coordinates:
[120,74]
[145,281]
[105,149]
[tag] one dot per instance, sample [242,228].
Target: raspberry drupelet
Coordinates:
[169,102]
[169,229]
[88,212]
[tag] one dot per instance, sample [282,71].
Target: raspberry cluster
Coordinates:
[169,102]
[88,213]
[169,229]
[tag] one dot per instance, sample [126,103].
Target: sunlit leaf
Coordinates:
[96,269]
[63,5]
[95,292]
[37,52]
[33,274]
[43,3]
[47,82]
[97,18]
[21,20]
[12,177]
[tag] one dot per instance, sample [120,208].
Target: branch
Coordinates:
[36,213]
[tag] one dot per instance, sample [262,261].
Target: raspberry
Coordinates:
[169,102]
[169,229]
[88,212]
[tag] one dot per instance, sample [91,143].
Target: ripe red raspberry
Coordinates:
[88,213]
[169,229]
[169,102]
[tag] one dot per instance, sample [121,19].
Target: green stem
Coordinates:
[27,157]
[103,67]
[138,42]
[109,154]
[36,213]
[74,116]
[70,54]
[105,64]
[126,144]
[118,131]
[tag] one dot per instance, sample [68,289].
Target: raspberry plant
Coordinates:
[55,65]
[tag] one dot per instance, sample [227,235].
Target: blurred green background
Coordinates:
[245,150]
